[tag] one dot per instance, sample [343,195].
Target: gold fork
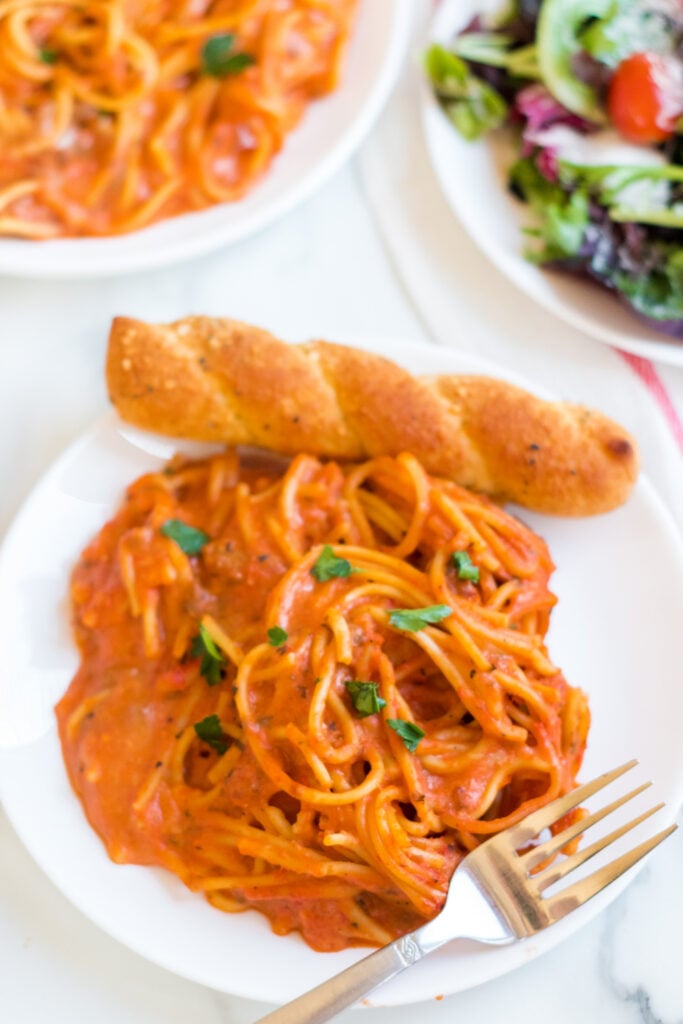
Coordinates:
[493,897]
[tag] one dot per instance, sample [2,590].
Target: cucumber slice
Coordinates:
[559,24]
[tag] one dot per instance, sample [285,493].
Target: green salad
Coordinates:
[593,90]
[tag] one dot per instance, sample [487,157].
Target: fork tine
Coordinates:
[544,850]
[557,871]
[535,822]
[583,890]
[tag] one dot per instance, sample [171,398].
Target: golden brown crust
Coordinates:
[221,380]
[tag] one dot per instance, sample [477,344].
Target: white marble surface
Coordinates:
[321,271]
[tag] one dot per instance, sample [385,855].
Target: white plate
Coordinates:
[330,131]
[614,570]
[473,177]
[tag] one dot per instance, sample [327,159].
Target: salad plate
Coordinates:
[612,569]
[474,177]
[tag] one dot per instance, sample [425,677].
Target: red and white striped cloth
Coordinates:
[647,371]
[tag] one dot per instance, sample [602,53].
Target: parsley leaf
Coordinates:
[463,564]
[48,56]
[188,539]
[327,566]
[210,731]
[410,733]
[219,59]
[212,659]
[365,698]
[472,105]
[277,636]
[413,619]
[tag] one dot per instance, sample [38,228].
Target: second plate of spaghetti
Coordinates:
[136,138]
[347,608]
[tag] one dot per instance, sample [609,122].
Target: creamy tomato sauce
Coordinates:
[262,708]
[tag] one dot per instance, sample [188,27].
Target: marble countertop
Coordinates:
[320,271]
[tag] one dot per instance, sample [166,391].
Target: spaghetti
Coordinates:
[312,691]
[114,114]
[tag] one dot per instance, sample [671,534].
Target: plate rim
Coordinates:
[453,361]
[433,120]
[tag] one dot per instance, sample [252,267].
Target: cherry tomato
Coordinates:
[645,98]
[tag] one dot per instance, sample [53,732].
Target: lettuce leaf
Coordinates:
[627,27]
[563,216]
[473,106]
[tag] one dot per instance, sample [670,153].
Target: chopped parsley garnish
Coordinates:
[277,636]
[188,539]
[413,619]
[213,660]
[210,731]
[410,733]
[219,58]
[466,570]
[48,56]
[327,566]
[365,698]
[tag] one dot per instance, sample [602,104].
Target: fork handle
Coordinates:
[344,989]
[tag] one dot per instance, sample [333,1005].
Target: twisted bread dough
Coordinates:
[221,380]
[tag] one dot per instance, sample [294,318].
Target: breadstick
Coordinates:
[221,380]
